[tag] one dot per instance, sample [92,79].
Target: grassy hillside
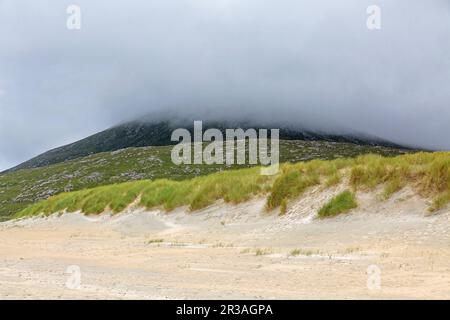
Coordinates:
[24,187]
[427,173]
[149,132]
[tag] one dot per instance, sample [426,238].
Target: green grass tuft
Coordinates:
[342,203]
[440,202]
[283,207]
[393,186]
[303,252]
[293,181]
[333,180]
[263,251]
[152,241]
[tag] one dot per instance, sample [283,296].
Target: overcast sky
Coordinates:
[312,62]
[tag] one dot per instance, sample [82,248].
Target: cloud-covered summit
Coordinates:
[313,63]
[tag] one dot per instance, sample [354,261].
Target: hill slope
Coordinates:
[148,133]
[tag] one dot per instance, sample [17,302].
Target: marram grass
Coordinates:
[233,186]
[427,173]
[20,189]
[341,203]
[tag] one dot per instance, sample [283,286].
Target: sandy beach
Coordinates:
[383,250]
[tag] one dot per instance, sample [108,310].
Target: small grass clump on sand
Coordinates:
[352,250]
[303,252]
[263,251]
[342,203]
[440,201]
[155,241]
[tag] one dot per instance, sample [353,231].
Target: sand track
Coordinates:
[233,252]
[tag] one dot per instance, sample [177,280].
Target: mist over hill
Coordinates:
[310,62]
[147,132]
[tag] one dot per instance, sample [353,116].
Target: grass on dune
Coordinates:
[440,201]
[20,189]
[232,186]
[342,203]
[427,173]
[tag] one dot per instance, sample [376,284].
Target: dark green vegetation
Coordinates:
[342,203]
[22,188]
[158,133]
[427,173]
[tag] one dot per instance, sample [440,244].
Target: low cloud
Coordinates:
[310,63]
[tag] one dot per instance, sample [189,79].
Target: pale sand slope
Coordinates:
[211,254]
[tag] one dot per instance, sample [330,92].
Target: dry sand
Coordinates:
[233,252]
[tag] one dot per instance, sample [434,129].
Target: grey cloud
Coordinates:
[303,62]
